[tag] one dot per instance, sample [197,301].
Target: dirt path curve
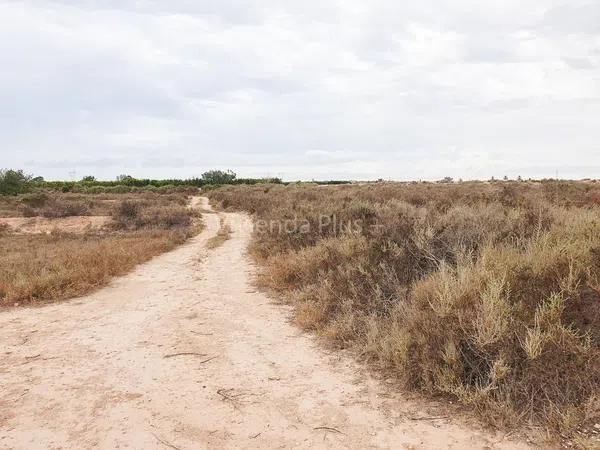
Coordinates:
[104,370]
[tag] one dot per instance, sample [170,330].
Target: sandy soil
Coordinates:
[37,225]
[185,353]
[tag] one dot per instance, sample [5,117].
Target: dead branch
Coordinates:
[224,393]
[333,430]
[165,443]
[184,354]
[428,418]
[201,334]
[209,359]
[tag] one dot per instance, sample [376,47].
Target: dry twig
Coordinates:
[334,430]
[163,442]
[428,418]
[184,354]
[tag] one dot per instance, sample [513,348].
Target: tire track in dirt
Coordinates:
[185,352]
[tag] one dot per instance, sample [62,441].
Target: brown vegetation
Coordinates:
[487,292]
[54,204]
[135,215]
[222,235]
[61,265]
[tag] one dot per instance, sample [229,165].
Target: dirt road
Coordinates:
[185,353]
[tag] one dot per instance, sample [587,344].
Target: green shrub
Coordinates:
[218,177]
[13,182]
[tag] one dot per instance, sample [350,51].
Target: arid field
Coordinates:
[316,224]
[439,315]
[55,245]
[488,293]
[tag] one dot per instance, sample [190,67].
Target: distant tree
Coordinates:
[37,180]
[124,177]
[447,180]
[89,178]
[13,182]
[218,177]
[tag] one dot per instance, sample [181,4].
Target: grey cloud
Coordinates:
[167,162]
[67,164]
[493,49]
[233,11]
[568,18]
[308,89]
[581,63]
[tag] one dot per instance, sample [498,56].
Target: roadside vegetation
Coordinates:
[52,204]
[45,267]
[142,218]
[485,292]
[13,182]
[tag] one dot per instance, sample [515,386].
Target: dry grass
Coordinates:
[222,235]
[52,267]
[489,293]
[61,265]
[136,215]
[53,204]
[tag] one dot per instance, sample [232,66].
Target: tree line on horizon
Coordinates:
[16,181]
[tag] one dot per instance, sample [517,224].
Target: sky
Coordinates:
[312,89]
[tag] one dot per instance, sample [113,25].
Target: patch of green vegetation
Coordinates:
[13,182]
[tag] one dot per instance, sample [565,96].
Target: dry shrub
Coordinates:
[501,341]
[27,211]
[485,292]
[125,214]
[9,205]
[56,204]
[41,204]
[135,215]
[35,200]
[65,209]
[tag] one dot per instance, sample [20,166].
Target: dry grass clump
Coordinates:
[37,268]
[224,234]
[486,292]
[52,206]
[135,215]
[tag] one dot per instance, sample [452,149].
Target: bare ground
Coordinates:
[185,353]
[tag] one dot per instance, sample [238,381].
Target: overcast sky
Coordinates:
[305,89]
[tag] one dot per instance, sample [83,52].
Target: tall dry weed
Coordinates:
[489,293]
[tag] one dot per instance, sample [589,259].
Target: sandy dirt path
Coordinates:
[184,353]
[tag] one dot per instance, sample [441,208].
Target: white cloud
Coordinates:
[313,89]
